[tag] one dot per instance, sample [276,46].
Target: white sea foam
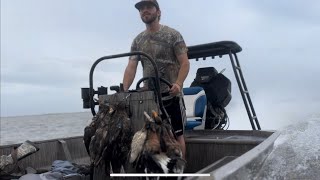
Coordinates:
[296,154]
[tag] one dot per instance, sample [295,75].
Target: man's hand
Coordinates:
[175,89]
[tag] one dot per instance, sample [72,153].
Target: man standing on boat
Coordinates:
[167,47]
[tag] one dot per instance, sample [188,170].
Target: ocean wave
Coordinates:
[296,152]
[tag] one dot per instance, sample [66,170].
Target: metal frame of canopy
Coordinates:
[228,48]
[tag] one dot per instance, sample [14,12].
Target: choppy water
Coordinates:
[41,127]
[296,154]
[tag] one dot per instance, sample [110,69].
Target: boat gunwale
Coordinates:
[253,158]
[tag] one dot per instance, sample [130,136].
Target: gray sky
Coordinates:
[48,47]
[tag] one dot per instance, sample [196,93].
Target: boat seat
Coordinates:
[196,102]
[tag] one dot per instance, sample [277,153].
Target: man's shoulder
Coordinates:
[140,35]
[170,29]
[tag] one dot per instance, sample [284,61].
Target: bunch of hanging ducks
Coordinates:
[154,149]
[107,139]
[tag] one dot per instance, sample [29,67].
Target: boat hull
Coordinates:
[213,152]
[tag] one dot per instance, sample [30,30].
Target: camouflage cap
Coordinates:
[144,2]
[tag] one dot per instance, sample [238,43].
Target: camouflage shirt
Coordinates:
[163,46]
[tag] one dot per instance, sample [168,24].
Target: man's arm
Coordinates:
[183,72]
[129,74]
[184,68]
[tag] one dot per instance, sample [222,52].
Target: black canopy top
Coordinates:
[213,49]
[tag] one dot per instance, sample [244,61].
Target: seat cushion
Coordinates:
[193,123]
[195,101]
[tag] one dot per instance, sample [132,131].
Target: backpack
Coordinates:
[218,90]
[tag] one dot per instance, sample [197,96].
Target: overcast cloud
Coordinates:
[48,47]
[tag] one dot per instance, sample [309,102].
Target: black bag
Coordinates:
[218,90]
[216,86]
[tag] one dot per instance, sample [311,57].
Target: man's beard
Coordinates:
[150,20]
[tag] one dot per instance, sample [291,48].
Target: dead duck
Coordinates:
[90,130]
[109,135]
[154,148]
